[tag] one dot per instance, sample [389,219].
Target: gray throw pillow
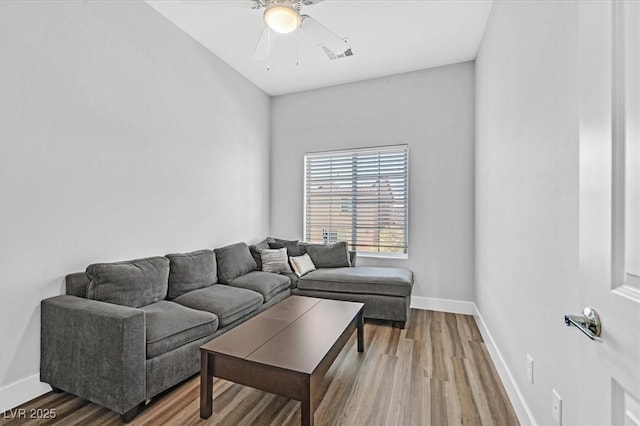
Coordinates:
[264,244]
[133,283]
[255,250]
[255,253]
[275,261]
[191,271]
[234,261]
[293,247]
[331,256]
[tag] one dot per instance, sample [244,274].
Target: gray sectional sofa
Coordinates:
[126,331]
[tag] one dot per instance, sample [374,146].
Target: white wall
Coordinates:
[526,184]
[432,112]
[121,138]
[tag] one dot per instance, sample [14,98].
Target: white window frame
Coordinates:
[308,155]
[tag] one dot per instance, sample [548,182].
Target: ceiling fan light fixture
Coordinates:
[282,18]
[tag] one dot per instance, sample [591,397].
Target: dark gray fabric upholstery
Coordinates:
[256,256]
[264,244]
[227,302]
[376,306]
[95,350]
[304,244]
[273,301]
[293,247]
[329,256]
[293,278]
[76,284]
[363,280]
[234,261]
[173,367]
[191,271]
[170,325]
[352,253]
[131,283]
[265,283]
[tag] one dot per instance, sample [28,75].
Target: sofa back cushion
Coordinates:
[191,271]
[234,261]
[77,284]
[293,247]
[133,283]
[329,256]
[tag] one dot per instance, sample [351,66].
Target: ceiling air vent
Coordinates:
[332,55]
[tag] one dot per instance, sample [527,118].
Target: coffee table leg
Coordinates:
[307,408]
[361,331]
[206,385]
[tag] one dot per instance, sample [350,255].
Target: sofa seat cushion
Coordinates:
[169,325]
[293,278]
[360,279]
[228,303]
[265,283]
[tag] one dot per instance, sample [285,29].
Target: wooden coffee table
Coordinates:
[285,350]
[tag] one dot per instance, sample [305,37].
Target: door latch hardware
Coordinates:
[588,323]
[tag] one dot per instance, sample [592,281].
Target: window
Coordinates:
[360,196]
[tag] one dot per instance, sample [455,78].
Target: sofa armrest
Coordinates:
[94,350]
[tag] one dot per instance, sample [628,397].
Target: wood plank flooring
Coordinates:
[435,372]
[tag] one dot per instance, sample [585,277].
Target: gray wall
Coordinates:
[431,111]
[121,137]
[526,184]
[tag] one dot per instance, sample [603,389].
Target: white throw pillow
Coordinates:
[275,260]
[302,264]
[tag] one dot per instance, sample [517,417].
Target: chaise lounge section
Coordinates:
[385,291]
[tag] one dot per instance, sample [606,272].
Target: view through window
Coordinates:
[360,196]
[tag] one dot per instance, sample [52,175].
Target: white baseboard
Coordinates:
[443,305]
[525,416]
[22,391]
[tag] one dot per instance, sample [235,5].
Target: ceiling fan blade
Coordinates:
[310,2]
[274,48]
[263,46]
[325,37]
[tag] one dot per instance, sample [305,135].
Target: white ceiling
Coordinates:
[387,37]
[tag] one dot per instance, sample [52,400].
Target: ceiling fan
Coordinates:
[284,17]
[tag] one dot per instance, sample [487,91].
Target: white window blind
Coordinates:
[360,196]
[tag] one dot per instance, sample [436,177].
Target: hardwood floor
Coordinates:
[435,372]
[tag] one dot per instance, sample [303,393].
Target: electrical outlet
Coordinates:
[530,368]
[556,407]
